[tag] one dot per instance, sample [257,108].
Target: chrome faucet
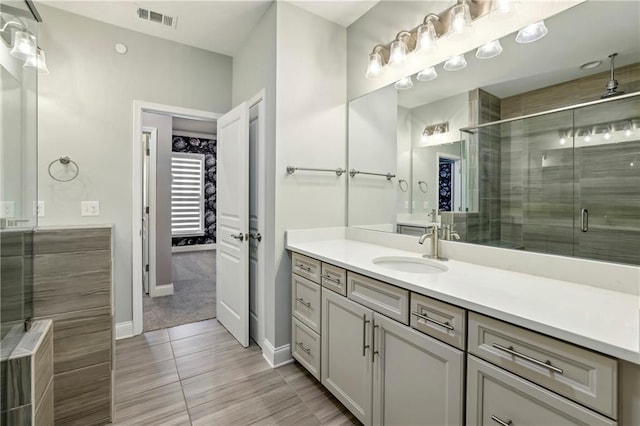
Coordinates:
[433,233]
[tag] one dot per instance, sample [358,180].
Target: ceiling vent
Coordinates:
[159,18]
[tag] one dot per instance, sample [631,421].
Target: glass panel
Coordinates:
[18,145]
[607,181]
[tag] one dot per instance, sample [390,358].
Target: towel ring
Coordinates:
[403,184]
[422,184]
[65,161]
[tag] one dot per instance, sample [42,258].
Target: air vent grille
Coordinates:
[157,17]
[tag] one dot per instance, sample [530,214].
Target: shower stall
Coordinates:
[562,182]
[18,186]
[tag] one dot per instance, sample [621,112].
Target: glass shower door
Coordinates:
[607,181]
[18,161]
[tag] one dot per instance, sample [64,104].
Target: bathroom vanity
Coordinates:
[458,343]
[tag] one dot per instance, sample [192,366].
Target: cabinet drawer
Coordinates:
[305,302]
[334,278]
[306,267]
[579,374]
[383,298]
[305,347]
[495,396]
[438,319]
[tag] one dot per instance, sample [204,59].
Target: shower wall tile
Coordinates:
[18,382]
[66,282]
[72,240]
[83,396]
[44,412]
[17,416]
[82,338]
[43,366]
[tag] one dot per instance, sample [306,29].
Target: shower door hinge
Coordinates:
[146,268]
[146,209]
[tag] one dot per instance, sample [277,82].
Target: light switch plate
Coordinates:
[89,208]
[7,209]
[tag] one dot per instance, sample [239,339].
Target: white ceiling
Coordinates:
[214,25]
[576,36]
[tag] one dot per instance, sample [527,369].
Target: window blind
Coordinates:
[187,194]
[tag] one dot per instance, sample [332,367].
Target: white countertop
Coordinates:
[603,320]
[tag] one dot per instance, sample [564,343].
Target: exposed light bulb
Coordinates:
[375,66]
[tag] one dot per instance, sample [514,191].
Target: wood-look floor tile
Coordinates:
[160,406]
[298,415]
[214,359]
[194,328]
[246,401]
[142,341]
[201,388]
[213,340]
[132,381]
[145,355]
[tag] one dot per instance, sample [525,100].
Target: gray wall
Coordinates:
[85,111]
[162,214]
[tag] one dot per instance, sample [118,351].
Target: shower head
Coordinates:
[612,84]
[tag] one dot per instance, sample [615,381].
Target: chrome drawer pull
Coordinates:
[301,346]
[500,421]
[304,268]
[441,324]
[364,334]
[328,278]
[547,364]
[301,300]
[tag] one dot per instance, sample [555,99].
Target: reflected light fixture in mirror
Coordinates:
[24,45]
[398,50]
[374,67]
[404,83]
[531,33]
[37,62]
[489,50]
[427,36]
[504,6]
[455,63]
[427,74]
[460,18]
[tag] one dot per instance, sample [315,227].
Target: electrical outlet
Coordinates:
[7,209]
[89,208]
[40,209]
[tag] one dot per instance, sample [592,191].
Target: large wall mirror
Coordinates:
[498,152]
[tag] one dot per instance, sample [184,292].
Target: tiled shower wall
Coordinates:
[72,287]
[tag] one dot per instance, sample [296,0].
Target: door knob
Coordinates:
[256,236]
[239,236]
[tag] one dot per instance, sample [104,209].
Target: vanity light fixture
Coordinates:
[489,50]
[434,130]
[404,83]
[504,6]
[587,136]
[427,36]
[376,61]
[607,134]
[37,62]
[455,63]
[460,18]
[427,74]
[24,45]
[399,49]
[531,33]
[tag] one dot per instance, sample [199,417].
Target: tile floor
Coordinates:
[197,374]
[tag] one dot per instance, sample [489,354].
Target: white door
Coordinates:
[254,227]
[232,223]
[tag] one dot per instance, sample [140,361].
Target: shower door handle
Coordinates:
[584,220]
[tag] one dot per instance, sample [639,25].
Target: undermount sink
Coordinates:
[410,264]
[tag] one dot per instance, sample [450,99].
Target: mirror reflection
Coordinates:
[564,183]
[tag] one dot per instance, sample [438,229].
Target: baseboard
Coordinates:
[197,247]
[163,290]
[124,330]
[276,357]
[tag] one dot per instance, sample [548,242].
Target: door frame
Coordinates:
[136,209]
[456,184]
[151,189]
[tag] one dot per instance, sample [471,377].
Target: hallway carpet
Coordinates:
[194,293]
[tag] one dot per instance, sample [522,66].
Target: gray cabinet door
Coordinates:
[497,397]
[346,358]
[417,380]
